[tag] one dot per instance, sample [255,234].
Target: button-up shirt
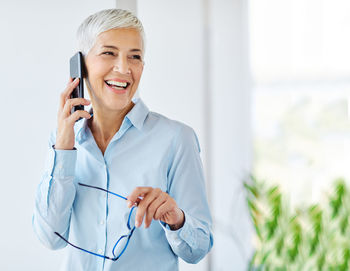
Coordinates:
[148,150]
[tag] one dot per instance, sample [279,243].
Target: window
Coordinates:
[300,61]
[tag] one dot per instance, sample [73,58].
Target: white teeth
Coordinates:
[116,83]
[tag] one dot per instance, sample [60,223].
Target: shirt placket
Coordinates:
[102,223]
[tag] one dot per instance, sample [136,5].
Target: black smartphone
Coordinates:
[77,70]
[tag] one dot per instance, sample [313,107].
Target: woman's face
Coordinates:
[114,65]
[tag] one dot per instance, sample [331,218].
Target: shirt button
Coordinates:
[100,251]
[102,222]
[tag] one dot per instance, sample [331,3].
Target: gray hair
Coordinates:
[105,20]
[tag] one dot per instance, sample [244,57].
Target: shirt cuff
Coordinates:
[61,163]
[185,233]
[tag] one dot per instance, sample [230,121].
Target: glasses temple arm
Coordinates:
[99,188]
[99,255]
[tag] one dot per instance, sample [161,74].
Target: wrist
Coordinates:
[180,224]
[62,147]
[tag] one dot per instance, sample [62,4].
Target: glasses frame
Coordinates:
[131,229]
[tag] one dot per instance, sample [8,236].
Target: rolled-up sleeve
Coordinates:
[187,186]
[54,197]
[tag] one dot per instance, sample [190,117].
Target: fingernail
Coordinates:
[137,223]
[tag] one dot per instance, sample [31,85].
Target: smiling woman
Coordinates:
[121,149]
[114,66]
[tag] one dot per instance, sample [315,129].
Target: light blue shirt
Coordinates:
[148,150]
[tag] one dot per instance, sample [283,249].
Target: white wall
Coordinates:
[231,140]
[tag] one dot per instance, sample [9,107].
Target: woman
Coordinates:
[120,167]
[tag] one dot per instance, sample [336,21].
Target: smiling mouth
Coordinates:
[117,85]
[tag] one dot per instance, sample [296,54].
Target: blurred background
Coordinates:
[264,83]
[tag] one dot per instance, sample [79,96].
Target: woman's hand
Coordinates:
[65,138]
[153,203]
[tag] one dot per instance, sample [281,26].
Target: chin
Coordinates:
[119,104]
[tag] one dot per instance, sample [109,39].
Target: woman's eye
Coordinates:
[108,53]
[136,57]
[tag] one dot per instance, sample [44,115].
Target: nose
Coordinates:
[121,65]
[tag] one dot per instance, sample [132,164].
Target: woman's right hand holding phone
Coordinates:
[65,137]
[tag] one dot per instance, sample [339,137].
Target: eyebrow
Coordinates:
[116,48]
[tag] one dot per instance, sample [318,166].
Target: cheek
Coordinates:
[96,76]
[137,75]
[97,70]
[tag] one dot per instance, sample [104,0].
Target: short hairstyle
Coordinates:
[105,20]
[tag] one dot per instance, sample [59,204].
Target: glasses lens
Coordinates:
[131,218]
[120,246]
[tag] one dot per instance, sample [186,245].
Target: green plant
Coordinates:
[313,237]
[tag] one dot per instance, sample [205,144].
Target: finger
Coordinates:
[143,205]
[78,114]
[152,208]
[65,95]
[66,111]
[140,191]
[130,204]
[165,208]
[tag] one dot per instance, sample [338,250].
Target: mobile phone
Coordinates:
[77,70]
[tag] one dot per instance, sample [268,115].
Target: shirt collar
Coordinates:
[138,113]
[136,116]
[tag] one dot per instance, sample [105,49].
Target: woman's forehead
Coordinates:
[120,38]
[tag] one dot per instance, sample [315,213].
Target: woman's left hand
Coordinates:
[153,203]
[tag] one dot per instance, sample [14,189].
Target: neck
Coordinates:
[105,124]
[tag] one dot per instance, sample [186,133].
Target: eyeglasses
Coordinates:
[123,241]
